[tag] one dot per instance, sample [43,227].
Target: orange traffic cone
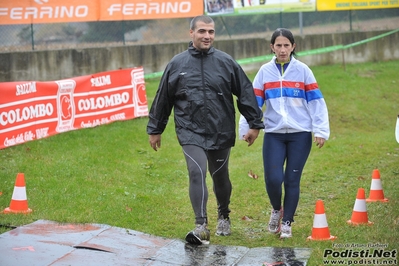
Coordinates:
[376,192]
[359,214]
[320,229]
[19,202]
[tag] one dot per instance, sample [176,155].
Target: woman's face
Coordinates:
[282,48]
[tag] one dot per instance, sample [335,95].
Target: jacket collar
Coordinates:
[292,59]
[194,51]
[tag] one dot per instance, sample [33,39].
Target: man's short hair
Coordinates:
[203,18]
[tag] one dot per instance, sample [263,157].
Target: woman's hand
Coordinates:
[319,141]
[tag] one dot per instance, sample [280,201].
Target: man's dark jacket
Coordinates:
[200,86]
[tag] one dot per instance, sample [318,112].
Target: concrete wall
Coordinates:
[61,64]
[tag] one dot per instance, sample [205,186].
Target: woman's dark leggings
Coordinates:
[291,149]
[197,160]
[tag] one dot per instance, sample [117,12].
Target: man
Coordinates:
[199,84]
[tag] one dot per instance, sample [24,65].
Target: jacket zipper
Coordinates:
[282,105]
[203,90]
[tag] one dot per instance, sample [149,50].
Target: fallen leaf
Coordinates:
[246,218]
[252,175]
[128,208]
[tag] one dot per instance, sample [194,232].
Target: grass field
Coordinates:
[110,175]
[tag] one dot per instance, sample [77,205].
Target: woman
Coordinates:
[295,108]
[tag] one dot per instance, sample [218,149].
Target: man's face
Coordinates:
[203,35]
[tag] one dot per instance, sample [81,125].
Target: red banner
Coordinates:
[33,110]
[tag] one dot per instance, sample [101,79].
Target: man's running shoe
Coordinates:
[200,235]
[223,227]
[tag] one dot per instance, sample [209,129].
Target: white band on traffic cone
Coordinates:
[360,206]
[376,184]
[19,193]
[320,221]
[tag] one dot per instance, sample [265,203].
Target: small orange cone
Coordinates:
[320,229]
[376,192]
[359,214]
[19,202]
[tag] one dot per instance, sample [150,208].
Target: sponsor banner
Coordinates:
[335,5]
[149,9]
[34,110]
[54,11]
[214,7]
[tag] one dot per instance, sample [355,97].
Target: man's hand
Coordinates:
[155,141]
[251,136]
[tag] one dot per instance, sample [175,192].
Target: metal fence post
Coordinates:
[31,36]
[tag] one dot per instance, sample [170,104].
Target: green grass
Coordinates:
[110,175]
